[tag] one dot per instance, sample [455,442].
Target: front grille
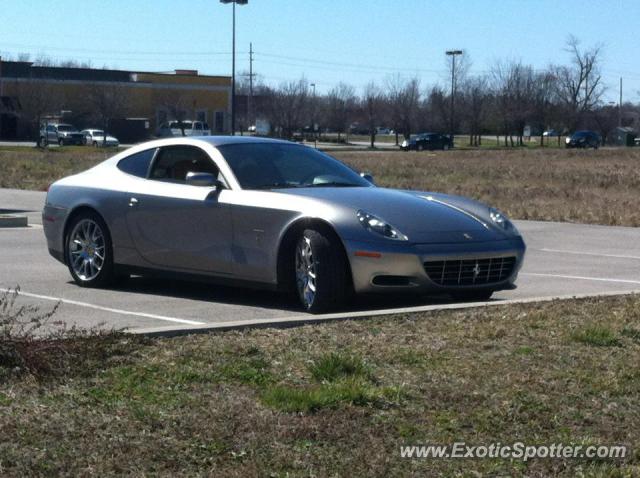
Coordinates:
[470,271]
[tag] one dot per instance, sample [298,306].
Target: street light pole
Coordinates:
[313,117]
[453,54]
[233,62]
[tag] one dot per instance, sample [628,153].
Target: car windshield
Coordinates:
[97,132]
[580,134]
[65,127]
[276,166]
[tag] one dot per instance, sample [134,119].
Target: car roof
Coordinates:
[224,140]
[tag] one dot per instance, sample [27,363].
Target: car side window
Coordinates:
[137,164]
[174,162]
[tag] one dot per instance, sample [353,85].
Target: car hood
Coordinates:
[423,217]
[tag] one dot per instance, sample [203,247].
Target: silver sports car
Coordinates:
[275,214]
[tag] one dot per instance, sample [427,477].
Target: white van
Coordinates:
[191,128]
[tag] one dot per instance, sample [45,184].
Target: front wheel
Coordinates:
[88,251]
[321,272]
[445,147]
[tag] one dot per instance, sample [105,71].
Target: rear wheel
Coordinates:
[88,251]
[321,272]
[419,147]
[445,147]
[472,295]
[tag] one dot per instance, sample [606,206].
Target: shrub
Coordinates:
[32,342]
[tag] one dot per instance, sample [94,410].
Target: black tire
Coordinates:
[419,147]
[472,295]
[61,142]
[445,147]
[332,285]
[106,274]
[42,142]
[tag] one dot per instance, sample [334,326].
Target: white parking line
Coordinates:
[599,279]
[618,256]
[107,309]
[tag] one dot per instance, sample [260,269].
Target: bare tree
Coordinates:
[340,107]
[604,119]
[288,105]
[475,97]
[108,102]
[514,89]
[37,99]
[372,105]
[579,85]
[404,100]
[543,98]
[178,105]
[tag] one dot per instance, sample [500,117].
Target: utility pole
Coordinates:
[453,54]
[250,100]
[620,105]
[313,117]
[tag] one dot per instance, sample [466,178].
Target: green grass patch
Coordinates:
[597,336]
[329,395]
[333,366]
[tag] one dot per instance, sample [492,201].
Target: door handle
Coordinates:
[133,202]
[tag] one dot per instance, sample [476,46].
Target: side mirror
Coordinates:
[368,177]
[201,179]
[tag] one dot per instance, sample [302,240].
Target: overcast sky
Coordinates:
[326,41]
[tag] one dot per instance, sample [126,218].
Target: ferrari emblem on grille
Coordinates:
[467,236]
[476,271]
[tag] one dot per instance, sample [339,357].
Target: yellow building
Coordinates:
[87,97]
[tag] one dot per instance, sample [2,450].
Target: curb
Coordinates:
[9,220]
[300,320]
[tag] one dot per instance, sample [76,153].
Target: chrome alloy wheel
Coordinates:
[305,272]
[86,249]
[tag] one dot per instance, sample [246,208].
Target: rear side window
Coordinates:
[137,164]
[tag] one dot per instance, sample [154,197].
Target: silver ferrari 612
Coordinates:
[276,214]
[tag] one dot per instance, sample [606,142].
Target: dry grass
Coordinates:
[33,168]
[338,399]
[595,187]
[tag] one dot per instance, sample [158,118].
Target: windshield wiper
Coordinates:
[332,184]
[282,185]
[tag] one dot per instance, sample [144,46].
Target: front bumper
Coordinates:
[401,267]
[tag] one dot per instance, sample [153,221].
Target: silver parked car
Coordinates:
[61,134]
[275,214]
[96,137]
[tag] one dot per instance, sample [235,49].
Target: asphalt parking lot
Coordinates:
[562,260]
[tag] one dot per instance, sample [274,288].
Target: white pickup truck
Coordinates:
[191,128]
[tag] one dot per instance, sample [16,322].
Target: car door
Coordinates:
[179,226]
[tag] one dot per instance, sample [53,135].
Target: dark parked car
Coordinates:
[423,141]
[583,139]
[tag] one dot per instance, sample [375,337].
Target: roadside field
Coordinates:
[337,399]
[32,168]
[594,187]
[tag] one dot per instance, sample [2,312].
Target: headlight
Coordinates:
[502,221]
[404,143]
[378,226]
[567,140]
